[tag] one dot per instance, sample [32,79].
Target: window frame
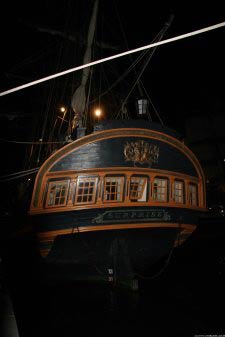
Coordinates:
[65,182]
[196,194]
[122,177]
[182,194]
[166,179]
[145,185]
[86,179]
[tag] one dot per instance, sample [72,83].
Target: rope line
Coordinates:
[176,38]
[18,173]
[33,143]
[18,176]
[168,259]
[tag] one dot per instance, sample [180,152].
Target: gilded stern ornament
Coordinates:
[141,152]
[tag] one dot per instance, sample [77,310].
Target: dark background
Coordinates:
[184,79]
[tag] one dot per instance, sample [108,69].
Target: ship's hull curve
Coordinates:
[111,244]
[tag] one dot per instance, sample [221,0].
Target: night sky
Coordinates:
[183,79]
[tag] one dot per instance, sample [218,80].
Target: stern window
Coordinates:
[113,189]
[179,191]
[138,188]
[193,194]
[57,193]
[160,189]
[86,190]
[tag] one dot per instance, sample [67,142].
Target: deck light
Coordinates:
[62,109]
[98,112]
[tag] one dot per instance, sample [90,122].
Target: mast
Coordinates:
[78,101]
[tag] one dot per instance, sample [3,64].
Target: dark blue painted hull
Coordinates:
[107,216]
[128,252]
[113,203]
[119,255]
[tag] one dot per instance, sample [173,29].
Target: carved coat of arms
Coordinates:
[141,152]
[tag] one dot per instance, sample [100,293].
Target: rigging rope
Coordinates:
[18,173]
[32,143]
[176,38]
[131,67]
[137,81]
[168,259]
[14,176]
[154,108]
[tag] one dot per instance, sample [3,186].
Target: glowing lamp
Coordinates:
[62,109]
[98,113]
[142,106]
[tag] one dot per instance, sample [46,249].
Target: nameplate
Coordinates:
[132,216]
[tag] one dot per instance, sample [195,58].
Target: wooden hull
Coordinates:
[118,244]
[111,204]
[115,255]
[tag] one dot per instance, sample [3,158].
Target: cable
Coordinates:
[131,67]
[176,38]
[159,38]
[18,173]
[154,108]
[15,176]
[33,143]
[167,260]
[18,176]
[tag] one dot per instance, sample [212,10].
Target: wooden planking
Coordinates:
[98,136]
[46,239]
[52,234]
[151,173]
